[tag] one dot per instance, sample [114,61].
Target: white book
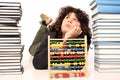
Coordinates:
[106,27]
[106,39]
[10,41]
[20,46]
[10,64]
[10,33]
[107,60]
[106,46]
[10,13]
[16,8]
[107,66]
[110,70]
[10,10]
[10,60]
[105,16]
[10,53]
[112,31]
[10,57]
[107,21]
[108,56]
[107,51]
[10,27]
[12,4]
[100,35]
[10,49]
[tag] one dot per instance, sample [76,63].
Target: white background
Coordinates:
[31,10]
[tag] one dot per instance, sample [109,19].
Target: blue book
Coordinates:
[104,2]
[107,9]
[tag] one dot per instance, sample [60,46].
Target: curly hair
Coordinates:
[83,18]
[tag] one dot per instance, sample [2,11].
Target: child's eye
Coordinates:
[67,16]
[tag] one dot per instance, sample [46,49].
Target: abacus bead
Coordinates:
[82,63]
[75,63]
[77,45]
[70,45]
[63,67]
[75,56]
[51,57]
[67,64]
[75,74]
[69,67]
[60,45]
[81,74]
[55,68]
[56,75]
[62,56]
[56,49]
[65,75]
[71,56]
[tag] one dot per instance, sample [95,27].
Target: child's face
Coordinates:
[69,22]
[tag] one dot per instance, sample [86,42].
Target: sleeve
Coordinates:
[40,60]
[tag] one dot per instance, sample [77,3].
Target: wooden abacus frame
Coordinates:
[76,73]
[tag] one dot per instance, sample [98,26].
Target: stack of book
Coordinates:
[106,34]
[11,47]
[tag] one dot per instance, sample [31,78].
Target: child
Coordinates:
[71,23]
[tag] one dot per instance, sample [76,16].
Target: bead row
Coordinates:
[67,75]
[66,67]
[67,60]
[68,64]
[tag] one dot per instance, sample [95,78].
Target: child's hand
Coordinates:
[75,32]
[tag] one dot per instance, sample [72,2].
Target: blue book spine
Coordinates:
[106,2]
[108,9]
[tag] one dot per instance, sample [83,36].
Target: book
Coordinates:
[10,60]
[108,23]
[110,70]
[94,3]
[10,10]
[10,4]
[106,59]
[10,64]
[10,14]
[11,70]
[106,35]
[16,17]
[107,51]
[106,39]
[108,56]
[107,20]
[9,27]
[11,57]
[11,53]
[106,30]
[107,46]
[16,8]
[105,16]
[107,43]
[12,31]
[106,9]
[107,66]
[9,33]
[10,49]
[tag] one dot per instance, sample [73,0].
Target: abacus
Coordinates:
[67,60]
